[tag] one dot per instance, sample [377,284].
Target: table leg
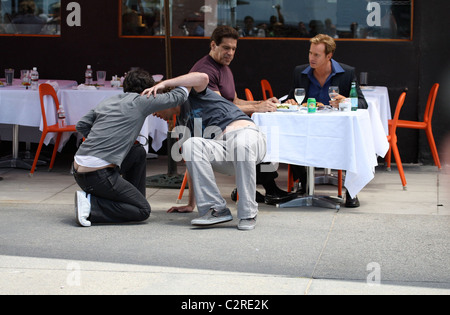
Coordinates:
[327,178]
[311,200]
[15,162]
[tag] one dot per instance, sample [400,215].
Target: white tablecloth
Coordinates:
[78,102]
[19,106]
[378,96]
[336,140]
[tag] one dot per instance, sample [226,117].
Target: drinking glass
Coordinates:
[101,77]
[25,77]
[363,79]
[9,76]
[299,95]
[333,92]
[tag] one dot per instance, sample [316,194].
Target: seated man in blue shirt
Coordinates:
[316,77]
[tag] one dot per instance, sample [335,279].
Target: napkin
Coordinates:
[86,87]
[157,77]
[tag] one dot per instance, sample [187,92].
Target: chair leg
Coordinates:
[399,164]
[433,148]
[58,140]
[388,158]
[183,186]
[340,183]
[290,179]
[38,152]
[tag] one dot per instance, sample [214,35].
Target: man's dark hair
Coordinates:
[222,32]
[137,81]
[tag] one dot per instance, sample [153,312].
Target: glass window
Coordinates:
[142,17]
[30,17]
[361,19]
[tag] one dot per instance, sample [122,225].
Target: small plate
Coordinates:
[286,110]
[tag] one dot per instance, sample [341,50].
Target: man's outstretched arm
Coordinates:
[195,80]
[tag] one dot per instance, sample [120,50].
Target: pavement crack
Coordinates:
[321,253]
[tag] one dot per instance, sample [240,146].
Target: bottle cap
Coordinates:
[34,69]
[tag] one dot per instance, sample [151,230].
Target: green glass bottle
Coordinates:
[354,97]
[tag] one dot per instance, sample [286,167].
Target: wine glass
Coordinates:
[333,92]
[25,76]
[299,95]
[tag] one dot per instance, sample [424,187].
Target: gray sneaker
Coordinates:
[212,217]
[247,224]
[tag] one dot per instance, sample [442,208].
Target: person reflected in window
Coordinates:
[249,27]
[316,27]
[276,25]
[302,31]
[316,77]
[53,25]
[27,22]
[330,28]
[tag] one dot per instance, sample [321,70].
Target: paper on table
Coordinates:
[86,87]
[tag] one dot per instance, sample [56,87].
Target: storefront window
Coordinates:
[356,19]
[30,17]
[142,17]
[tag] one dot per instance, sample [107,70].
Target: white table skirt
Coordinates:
[19,106]
[343,141]
[77,103]
[378,96]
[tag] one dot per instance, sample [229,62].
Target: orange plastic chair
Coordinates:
[183,187]
[392,138]
[249,95]
[426,123]
[47,89]
[266,89]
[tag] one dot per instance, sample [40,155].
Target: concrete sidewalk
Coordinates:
[397,242]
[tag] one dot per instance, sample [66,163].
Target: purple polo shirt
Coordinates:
[221,78]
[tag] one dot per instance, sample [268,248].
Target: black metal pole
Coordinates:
[168,43]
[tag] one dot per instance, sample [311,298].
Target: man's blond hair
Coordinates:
[330,44]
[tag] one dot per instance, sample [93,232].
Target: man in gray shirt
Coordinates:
[218,137]
[111,130]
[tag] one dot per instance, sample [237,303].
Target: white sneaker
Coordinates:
[82,208]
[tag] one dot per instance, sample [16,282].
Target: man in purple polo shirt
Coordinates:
[221,80]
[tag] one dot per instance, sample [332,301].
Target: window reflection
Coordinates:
[363,19]
[142,17]
[30,17]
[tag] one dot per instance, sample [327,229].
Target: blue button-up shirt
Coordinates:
[320,93]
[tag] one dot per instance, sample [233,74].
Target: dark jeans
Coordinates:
[115,199]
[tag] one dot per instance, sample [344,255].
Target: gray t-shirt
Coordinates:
[113,126]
